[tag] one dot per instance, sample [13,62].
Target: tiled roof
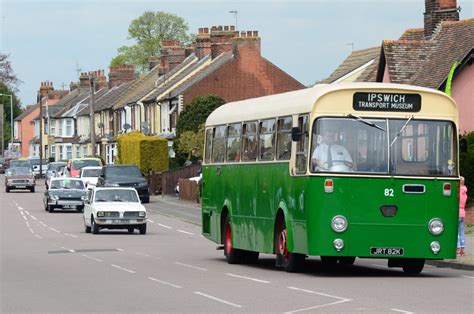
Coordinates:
[107,100]
[82,102]
[355,60]
[405,58]
[413,34]
[453,42]
[27,112]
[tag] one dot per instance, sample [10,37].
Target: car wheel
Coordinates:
[131,229]
[32,190]
[50,208]
[94,226]
[86,228]
[146,200]
[80,209]
[7,190]
[142,229]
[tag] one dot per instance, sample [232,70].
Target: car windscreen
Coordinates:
[19,171]
[116,196]
[20,163]
[91,173]
[55,167]
[67,184]
[123,172]
[35,162]
[81,163]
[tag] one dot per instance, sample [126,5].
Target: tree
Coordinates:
[5,100]
[7,76]
[148,31]
[190,127]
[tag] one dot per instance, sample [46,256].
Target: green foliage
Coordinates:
[118,60]
[192,143]
[5,100]
[148,153]
[148,31]
[466,165]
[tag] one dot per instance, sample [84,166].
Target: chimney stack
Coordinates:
[247,42]
[121,74]
[221,39]
[437,11]
[203,43]
[45,88]
[172,54]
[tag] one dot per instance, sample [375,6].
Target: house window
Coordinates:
[60,133]
[61,155]
[68,127]
[45,125]
[68,152]
[53,127]
[52,152]
[78,152]
[84,151]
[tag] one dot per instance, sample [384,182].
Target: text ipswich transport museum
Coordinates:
[386,102]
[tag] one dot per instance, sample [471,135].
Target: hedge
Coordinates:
[466,165]
[147,152]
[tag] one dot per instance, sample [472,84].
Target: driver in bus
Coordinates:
[330,156]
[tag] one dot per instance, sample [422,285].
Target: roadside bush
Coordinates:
[466,166]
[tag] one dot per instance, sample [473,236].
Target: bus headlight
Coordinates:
[338,244]
[339,224]
[435,226]
[435,247]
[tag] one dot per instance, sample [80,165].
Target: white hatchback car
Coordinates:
[114,208]
[90,175]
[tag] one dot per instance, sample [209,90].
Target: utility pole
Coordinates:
[235,12]
[41,136]
[91,112]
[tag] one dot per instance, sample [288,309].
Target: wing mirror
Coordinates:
[296,134]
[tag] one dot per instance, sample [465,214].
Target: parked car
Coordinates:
[114,208]
[74,166]
[53,168]
[35,163]
[90,175]
[19,178]
[65,193]
[124,176]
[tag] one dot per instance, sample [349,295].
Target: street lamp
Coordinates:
[11,117]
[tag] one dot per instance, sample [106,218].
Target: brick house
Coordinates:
[425,57]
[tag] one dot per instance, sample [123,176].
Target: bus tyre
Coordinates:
[413,266]
[346,260]
[249,257]
[291,262]
[232,256]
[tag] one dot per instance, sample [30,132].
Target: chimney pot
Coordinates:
[201,30]
[249,33]
[206,30]
[232,28]
[242,34]
[255,33]
[219,28]
[226,28]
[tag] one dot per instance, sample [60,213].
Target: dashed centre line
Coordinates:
[92,258]
[124,269]
[186,232]
[70,235]
[402,311]
[165,226]
[164,282]
[190,266]
[52,229]
[248,278]
[217,299]
[33,217]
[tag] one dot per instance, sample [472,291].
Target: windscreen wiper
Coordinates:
[401,130]
[360,119]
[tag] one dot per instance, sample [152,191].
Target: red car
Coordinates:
[19,178]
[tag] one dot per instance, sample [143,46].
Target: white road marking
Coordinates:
[31,230]
[182,231]
[341,300]
[121,250]
[52,229]
[217,299]
[92,258]
[164,282]
[468,277]
[402,311]
[248,278]
[34,218]
[150,220]
[20,208]
[69,250]
[70,235]
[27,212]
[124,269]
[165,226]
[43,224]
[318,293]
[142,254]
[24,217]
[190,266]
[38,236]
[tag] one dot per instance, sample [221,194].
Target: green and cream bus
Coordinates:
[339,171]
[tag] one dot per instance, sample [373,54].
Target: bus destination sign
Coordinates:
[386,102]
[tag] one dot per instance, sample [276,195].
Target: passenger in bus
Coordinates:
[330,156]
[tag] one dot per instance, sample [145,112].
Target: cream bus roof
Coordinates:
[300,101]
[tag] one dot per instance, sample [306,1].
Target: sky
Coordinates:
[48,40]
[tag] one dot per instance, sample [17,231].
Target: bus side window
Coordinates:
[207,157]
[218,144]
[302,145]
[267,140]
[284,138]
[249,141]
[234,142]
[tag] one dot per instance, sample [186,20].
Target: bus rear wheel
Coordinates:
[414,266]
[291,262]
[232,255]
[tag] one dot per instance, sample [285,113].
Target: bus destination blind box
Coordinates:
[395,102]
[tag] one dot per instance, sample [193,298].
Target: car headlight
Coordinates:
[100,214]
[111,184]
[142,184]
[141,214]
[54,197]
[436,226]
[84,197]
[339,223]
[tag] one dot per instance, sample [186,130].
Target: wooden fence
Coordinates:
[165,182]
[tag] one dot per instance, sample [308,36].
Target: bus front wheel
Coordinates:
[291,262]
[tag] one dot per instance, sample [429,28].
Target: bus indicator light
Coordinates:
[447,189]
[328,186]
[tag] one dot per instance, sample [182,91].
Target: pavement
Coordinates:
[465,262]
